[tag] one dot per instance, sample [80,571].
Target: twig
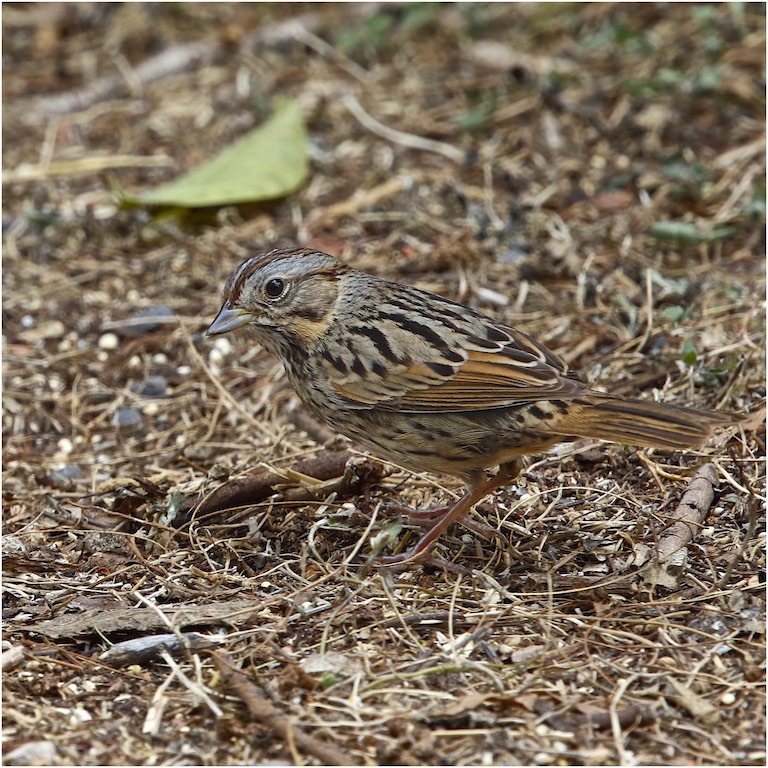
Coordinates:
[28,172]
[359,200]
[262,484]
[690,512]
[752,507]
[191,685]
[688,518]
[616,726]
[326,466]
[264,712]
[140,650]
[400,137]
[303,35]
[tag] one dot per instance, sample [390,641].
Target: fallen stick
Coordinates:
[688,519]
[326,467]
[690,513]
[264,712]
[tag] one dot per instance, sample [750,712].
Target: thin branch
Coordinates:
[264,712]
[400,137]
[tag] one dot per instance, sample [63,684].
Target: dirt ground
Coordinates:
[592,174]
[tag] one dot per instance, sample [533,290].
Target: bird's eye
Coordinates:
[275,288]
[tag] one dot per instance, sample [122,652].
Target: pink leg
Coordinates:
[417,515]
[427,517]
[477,491]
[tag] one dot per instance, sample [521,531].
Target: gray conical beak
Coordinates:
[227,320]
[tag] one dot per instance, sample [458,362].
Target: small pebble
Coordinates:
[127,418]
[215,357]
[62,478]
[32,753]
[65,445]
[512,254]
[152,386]
[109,341]
[224,345]
[728,698]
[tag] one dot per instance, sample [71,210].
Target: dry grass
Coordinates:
[559,642]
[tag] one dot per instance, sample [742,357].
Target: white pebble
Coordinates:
[109,341]
[150,409]
[160,358]
[32,753]
[224,345]
[215,356]
[65,445]
[728,698]
[184,370]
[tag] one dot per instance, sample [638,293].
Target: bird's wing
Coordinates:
[476,365]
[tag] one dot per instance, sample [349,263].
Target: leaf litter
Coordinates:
[593,174]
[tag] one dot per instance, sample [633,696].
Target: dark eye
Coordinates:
[275,288]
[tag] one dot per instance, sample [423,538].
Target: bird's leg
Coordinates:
[426,517]
[476,492]
[417,515]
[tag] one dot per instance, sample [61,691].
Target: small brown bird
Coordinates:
[428,383]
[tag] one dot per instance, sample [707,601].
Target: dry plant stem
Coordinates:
[195,689]
[753,505]
[690,513]
[26,172]
[364,198]
[400,137]
[264,712]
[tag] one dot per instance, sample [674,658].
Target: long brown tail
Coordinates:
[643,422]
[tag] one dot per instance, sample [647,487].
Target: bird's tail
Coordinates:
[643,422]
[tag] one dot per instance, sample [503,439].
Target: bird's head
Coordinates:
[285,296]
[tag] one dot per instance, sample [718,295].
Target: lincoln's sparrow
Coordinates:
[427,383]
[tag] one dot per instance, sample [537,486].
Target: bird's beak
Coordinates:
[227,320]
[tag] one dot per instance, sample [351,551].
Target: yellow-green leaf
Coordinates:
[268,163]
